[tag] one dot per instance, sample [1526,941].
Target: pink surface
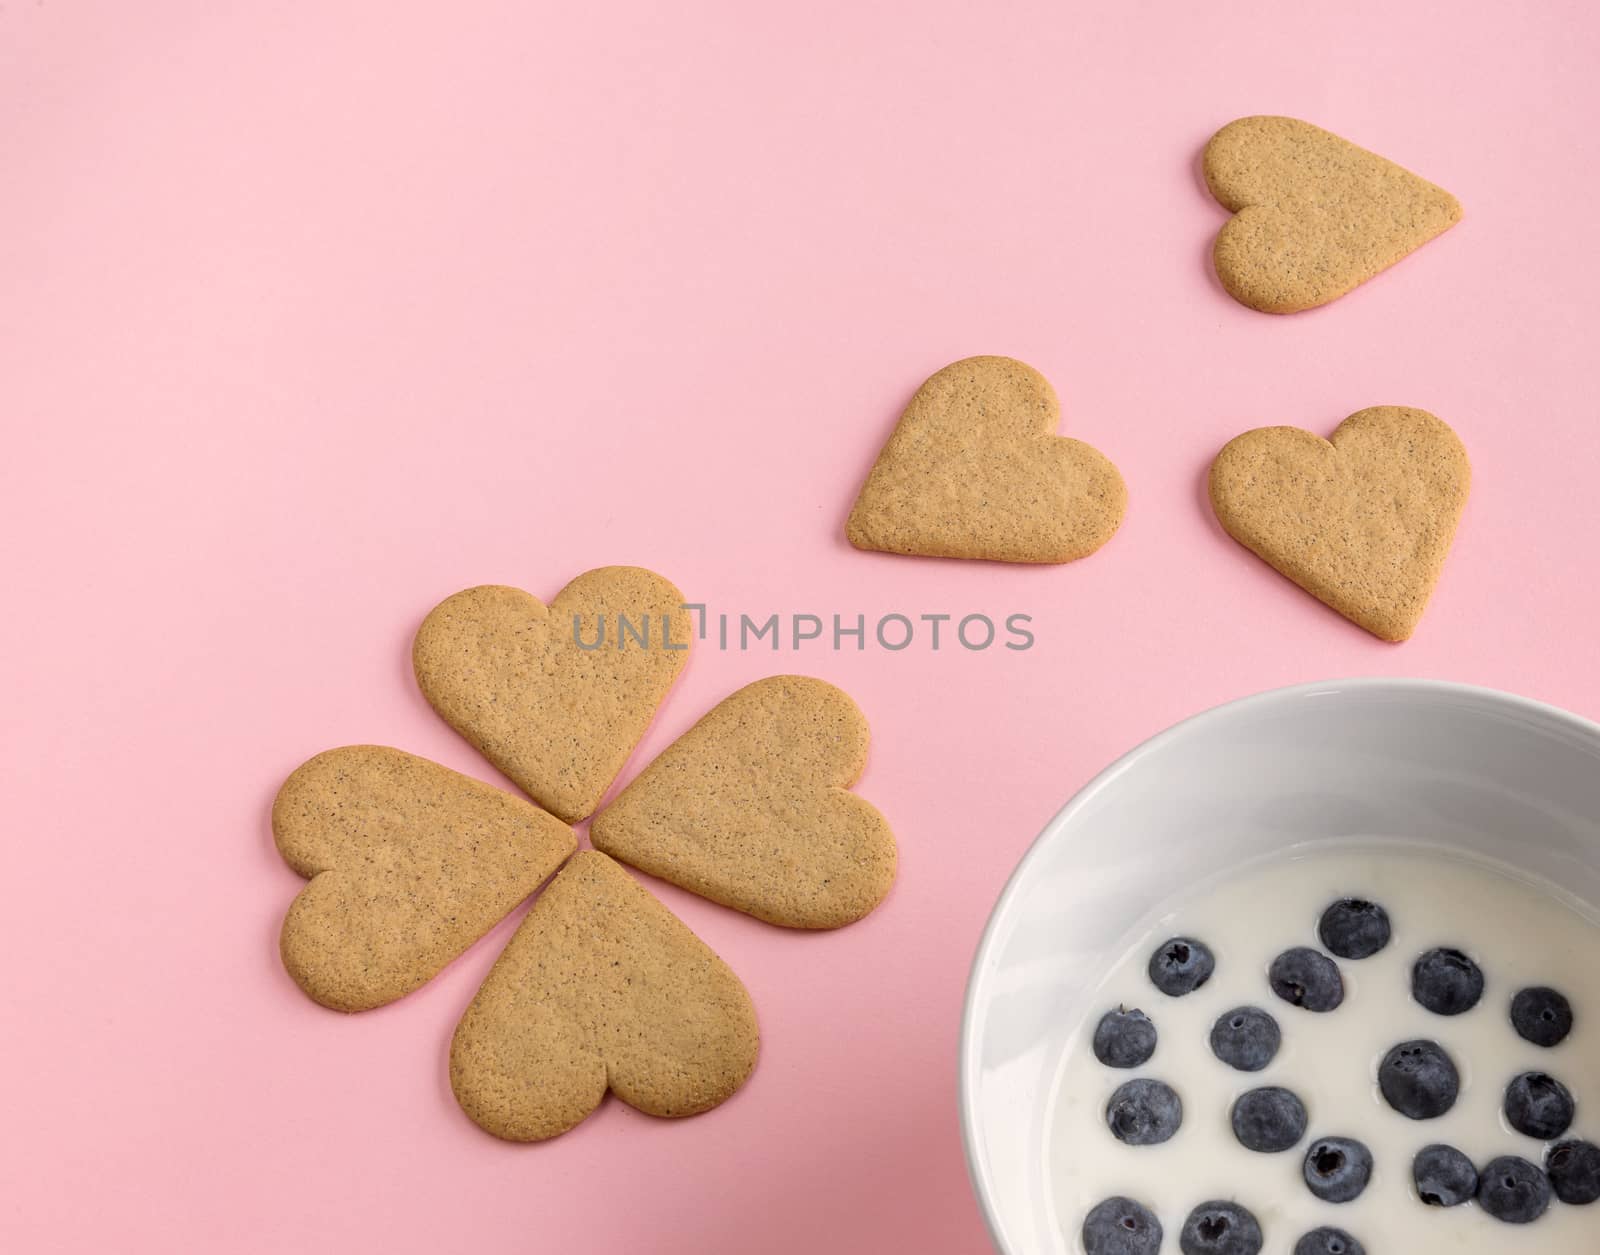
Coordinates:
[314,314]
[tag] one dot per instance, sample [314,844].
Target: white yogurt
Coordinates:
[1521,933]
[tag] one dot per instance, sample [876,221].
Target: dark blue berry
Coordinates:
[1220,1228]
[1120,1226]
[1144,1112]
[1542,1016]
[1539,1106]
[1446,981]
[1513,1190]
[1124,1039]
[1419,1080]
[1269,1119]
[1181,966]
[1307,978]
[1246,1038]
[1444,1176]
[1327,1241]
[1337,1169]
[1354,928]
[1574,1169]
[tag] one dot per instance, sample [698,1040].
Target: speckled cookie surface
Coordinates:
[512,676]
[601,987]
[974,469]
[751,808]
[1362,522]
[409,864]
[1314,215]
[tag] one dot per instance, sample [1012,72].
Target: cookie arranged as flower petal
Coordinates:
[1362,522]
[409,863]
[974,469]
[556,696]
[601,987]
[751,808]
[1313,215]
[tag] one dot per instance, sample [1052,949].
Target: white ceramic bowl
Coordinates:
[1494,774]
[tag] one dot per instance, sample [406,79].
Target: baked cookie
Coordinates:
[409,863]
[1314,216]
[1362,522]
[601,987]
[751,808]
[518,679]
[974,469]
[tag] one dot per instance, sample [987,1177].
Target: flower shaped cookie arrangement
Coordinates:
[601,986]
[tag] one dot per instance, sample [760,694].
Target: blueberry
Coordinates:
[1269,1119]
[1419,1080]
[1144,1112]
[1181,966]
[1245,1038]
[1307,978]
[1542,1016]
[1444,1176]
[1354,928]
[1539,1105]
[1220,1228]
[1513,1190]
[1337,1169]
[1120,1226]
[1446,981]
[1574,1169]
[1124,1039]
[1328,1242]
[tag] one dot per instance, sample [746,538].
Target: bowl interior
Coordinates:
[1487,773]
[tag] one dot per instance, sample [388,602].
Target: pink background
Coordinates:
[315,313]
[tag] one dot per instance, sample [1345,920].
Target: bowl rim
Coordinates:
[981,1186]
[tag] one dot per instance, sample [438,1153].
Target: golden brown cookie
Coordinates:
[974,469]
[409,864]
[557,696]
[1313,215]
[751,808]
[601,987]
[1362,522]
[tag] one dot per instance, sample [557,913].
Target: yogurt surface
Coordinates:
[1520,932]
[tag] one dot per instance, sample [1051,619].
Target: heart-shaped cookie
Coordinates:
[601,987]
[556,697]
[409,864]
[751,808]
[1313,215]
[1362,522]
[974,469]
